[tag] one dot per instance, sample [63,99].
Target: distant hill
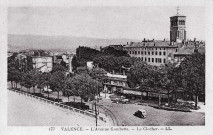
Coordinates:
[69,43]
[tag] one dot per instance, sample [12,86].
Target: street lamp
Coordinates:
[96,119]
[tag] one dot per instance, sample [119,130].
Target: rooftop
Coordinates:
[189,47]
[153,43]
[116,76]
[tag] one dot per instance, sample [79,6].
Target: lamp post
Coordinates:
[96,119]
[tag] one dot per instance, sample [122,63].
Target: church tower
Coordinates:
[177,27]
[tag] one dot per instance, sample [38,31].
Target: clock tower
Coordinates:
[177,27]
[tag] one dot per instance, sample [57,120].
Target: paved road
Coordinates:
[155,117]
[123,113]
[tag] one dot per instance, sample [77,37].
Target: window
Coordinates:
[148,53]
[164,53]
[156,60]
[152,53]
[159,53]
[164,60]
[156,48]
[142,52]
[152,59]
[145,53]
[142,58]
[145,59]
[164,48]
[138,52]
[135,52]
[129,52]
[156,53]
[159,60]
[148,59]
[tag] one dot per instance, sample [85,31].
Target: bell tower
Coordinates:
[177,27]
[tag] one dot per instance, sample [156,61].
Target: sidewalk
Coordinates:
[202,108]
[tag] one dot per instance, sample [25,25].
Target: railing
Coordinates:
[60,105]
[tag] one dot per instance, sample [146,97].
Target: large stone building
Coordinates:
[157,52]
[153,52]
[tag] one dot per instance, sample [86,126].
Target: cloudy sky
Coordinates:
[104,22]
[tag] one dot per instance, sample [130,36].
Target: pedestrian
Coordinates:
[123,124]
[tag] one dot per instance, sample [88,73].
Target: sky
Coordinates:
[108,22]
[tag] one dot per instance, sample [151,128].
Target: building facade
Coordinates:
[153,52]
[43,63]
[114,82]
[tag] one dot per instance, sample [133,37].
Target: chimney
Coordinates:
[164,39]
[144,39]
[194,39]
[127,43]
[153,40]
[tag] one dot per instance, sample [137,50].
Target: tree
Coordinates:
[28,80]
[115,52]
[70,88]
[34,78]
[138,71]
[82,70]
[193,72]
[58,67]
[57,81]
[98,74]
[13,70]
[84,85]
[45,81]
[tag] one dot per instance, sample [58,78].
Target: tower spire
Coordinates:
[177,10]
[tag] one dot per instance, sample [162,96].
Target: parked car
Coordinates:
[141,113]
[125,101]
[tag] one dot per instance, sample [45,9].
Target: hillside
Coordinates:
[69,43]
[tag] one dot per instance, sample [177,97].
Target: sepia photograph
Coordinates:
[106,68]
[100,66]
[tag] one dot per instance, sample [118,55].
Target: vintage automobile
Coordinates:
[120,100]
[125,101]
[141,113]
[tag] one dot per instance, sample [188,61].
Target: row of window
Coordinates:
[151,49]
[154,60]
[180,22]
[147,53]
